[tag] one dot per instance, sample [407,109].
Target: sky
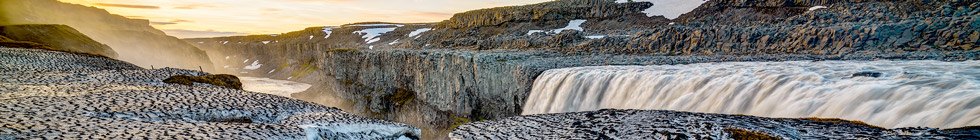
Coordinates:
[212,18]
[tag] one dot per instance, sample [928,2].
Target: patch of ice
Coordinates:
[255,65]
[595,37]
[371,35]
[271,86]
[418,32]
[266,42]
[327,30]
[817,7]
[670,9]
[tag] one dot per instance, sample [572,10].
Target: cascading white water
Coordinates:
[907,93]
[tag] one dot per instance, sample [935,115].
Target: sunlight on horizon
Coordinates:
[194,18]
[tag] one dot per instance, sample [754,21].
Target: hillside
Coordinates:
[57,37]
[134,40]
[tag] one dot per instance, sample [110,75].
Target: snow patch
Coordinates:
[255,65]
[393,42]
[226,66]
[327,30]
[670,9]
[225,42]
[246,61]
[371,35]
[817,7]
[311,37]
[266,42]
[595,37]
[274,35]
[572,25]
[227,57]
[418,32]
[200,42]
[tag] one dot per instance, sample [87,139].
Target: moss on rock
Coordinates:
[842,121]
[741,134]
[224,80]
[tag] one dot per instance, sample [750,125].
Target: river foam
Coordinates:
[272,86]
[884,93]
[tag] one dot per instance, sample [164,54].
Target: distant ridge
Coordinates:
[134,40]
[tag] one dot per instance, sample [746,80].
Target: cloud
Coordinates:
[181,33]
[433,14]
[321,0]
[172,21]
[127,6]
[193,6]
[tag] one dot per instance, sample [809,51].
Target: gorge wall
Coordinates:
[134,40]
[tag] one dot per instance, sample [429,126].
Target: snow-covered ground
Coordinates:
[328,30]
[418,32]
[572,25]
[272,86]
[372,35]
[670,9]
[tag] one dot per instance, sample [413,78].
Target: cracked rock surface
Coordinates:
[656,124]
[57,95]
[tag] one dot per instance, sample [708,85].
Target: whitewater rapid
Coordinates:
[272,86]
[905,94]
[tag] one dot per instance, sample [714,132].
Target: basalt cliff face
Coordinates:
[481,64]
[134,40]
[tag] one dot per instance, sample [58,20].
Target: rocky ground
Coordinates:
[58,95]
[652,124]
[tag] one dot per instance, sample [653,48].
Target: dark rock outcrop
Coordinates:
[229,81]
[134,40]
[57,37]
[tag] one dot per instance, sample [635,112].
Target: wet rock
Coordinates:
[867,74]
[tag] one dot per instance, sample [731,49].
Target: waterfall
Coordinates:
[884,93]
